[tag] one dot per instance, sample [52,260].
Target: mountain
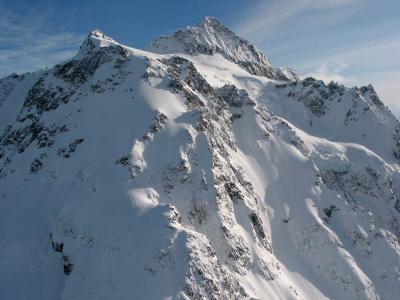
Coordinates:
[194,170]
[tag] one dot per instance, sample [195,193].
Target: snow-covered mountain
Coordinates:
[194,170]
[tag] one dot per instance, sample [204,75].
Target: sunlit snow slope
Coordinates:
[194,170]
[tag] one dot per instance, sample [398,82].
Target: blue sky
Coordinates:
[355,42]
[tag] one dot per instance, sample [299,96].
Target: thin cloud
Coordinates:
[267,16]
[371,56]
[331,72]
[27,43]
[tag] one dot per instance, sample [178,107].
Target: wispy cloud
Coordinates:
[373,55]
[27,43]
[267,17]
[331,72]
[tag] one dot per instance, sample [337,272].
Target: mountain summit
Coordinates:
[212,37]
[95,40]
[194,170]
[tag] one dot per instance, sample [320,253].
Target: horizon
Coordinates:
[352,42]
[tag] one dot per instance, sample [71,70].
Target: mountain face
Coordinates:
[194,170]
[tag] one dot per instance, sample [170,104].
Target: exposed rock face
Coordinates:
[133,174]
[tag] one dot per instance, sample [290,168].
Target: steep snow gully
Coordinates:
[194,170]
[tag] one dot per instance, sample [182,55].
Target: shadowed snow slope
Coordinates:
[194,170]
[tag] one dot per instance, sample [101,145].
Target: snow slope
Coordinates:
[194,170]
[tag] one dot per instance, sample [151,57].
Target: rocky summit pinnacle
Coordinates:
[194,170]
[212,37]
